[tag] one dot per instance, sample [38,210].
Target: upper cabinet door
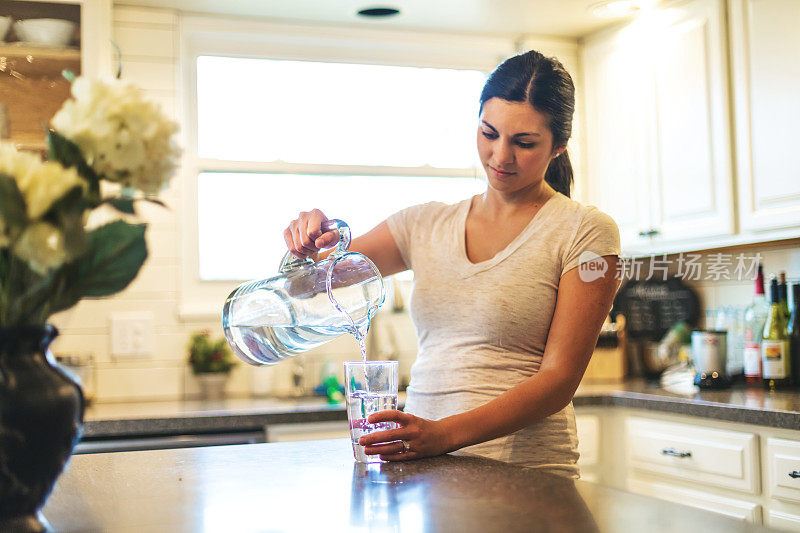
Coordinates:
[658,143]
[690,134]
[765,44]
[617,181]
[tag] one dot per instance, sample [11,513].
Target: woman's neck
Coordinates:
[497,204]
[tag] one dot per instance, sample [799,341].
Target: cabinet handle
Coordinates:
[794,474]
[673,453]
[652,232]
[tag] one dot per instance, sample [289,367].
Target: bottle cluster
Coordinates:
[772,335]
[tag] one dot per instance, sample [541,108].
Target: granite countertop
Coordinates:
[745,405]
[316,486]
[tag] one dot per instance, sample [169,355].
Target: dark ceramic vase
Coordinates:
[41,420]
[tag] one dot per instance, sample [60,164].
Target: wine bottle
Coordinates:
[783,295]
[754,318]
[794,335]
[775,345]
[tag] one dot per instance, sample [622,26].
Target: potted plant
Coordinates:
[211,363]
[68,231]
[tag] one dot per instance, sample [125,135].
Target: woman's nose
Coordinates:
[503,153]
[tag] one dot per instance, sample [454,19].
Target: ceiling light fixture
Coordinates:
[379,12]
[609,9]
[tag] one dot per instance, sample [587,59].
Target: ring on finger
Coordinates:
[406,446]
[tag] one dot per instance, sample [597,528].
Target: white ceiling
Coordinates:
[564,18]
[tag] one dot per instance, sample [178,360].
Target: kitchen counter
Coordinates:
[746,405]
[316,486]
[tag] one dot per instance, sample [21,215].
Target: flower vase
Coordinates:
[212,385]
[41,421]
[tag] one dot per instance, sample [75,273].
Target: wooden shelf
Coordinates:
[20,49]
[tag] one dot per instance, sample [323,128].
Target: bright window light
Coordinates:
[242,215]
[336,113]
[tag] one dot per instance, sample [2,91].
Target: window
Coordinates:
[328,114]
[283,118]
[242,215]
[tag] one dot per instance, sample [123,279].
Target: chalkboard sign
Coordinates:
[651,307]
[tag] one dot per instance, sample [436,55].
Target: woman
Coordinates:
[506,319]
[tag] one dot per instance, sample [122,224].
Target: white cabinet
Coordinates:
[731,507]
[691,155]
[783,463]
[338,429]
[713,457]
[766,83]
[738,470]
[658,135]
[782,520]
[618,177]
[588,429]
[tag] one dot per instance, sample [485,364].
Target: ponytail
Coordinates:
[559,174]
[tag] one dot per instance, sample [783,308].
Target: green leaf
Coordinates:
[123,205]
[61,149]
[114,255]
[12,203]
[66,213]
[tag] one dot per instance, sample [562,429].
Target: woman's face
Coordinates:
[514,144]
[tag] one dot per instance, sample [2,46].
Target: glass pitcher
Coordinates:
[305,305]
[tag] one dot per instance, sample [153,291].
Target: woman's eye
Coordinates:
[489,135]
[525,145]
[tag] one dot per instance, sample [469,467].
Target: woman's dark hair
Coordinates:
[544,83]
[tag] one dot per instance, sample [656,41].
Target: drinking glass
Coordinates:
[370,387]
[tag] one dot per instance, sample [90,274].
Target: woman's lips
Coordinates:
[500,173]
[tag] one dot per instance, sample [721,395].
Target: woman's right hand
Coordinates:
[304,236]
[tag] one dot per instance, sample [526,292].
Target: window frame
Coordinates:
[201,35]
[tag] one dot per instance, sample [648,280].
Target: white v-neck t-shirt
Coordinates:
[482,327]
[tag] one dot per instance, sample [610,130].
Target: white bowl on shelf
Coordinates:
[48,32]
[5,23]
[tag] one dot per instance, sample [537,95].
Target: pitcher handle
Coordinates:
[290,261]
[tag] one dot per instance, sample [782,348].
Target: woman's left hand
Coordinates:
[424,438]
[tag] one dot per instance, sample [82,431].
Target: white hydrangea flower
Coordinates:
[41,245]
[122,136]
[41,183]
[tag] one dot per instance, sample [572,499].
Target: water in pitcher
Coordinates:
[265,322]
[272,344]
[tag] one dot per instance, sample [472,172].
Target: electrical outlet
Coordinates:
[132,334]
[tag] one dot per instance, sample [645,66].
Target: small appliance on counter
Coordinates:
[709,355]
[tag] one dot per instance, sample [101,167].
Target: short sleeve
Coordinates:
[403,226]
[597,235]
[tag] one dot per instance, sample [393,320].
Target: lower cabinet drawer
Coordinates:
[718,458]
[588,427]
[338,429]
[783,460]
[740,509]
[783,521]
